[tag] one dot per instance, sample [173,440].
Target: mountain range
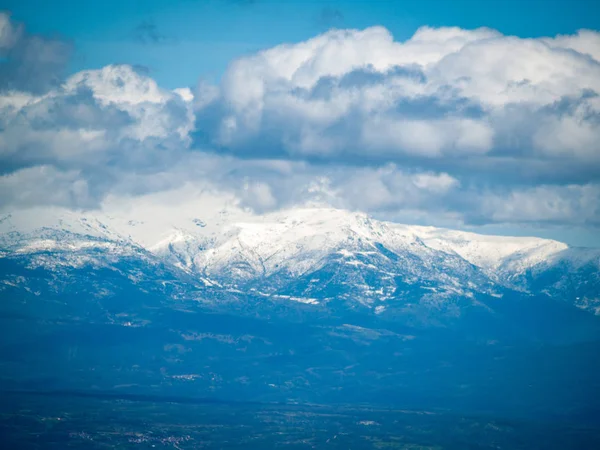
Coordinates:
[314,256]
[307,304]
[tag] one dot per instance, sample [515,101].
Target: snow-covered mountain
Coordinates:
[310,255]
[304,305]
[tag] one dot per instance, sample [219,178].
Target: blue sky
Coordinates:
[407,110]
[202,36]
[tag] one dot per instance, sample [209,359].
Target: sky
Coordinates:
[464,114]
[200,37]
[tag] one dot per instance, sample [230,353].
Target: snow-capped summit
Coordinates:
[490,252]
[298,239]
[315,254]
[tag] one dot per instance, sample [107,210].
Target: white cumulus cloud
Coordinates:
[450,127]
[446,93]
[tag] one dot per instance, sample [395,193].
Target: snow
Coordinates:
[488,251]
[217,240]
[295,239]
[269,242]
[299,239]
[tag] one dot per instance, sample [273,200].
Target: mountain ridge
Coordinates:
[90,301]
[315,254]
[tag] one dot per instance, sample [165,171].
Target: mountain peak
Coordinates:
[315,251]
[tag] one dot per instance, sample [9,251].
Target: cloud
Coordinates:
[148,33]
[330,17]
[97,124]
[451,127]
[30,62]
[10,33]
[46,185]
[439,99]
[96,117]
[559,205]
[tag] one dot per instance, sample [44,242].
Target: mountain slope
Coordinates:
[316,255]
[307,305]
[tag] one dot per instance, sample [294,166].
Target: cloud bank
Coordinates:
[449,127]
[451,96]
